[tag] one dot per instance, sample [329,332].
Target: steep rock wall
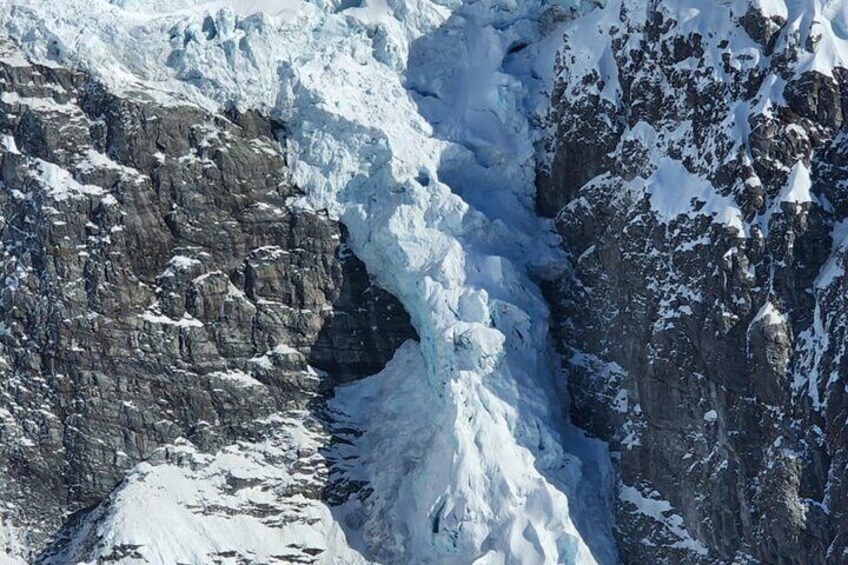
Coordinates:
[159,288]
[696,172]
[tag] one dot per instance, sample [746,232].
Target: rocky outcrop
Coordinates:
[160,287]
[697,180]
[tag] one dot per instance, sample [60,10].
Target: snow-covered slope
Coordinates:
[411,121]
[251,501]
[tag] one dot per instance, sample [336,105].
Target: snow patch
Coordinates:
[61,185]
[769,315]
[235,376]
[662,512]
[674,191]
[834,268]
[797,190]
[9,145]
[772,8]
[187,321]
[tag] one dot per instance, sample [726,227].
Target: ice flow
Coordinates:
[412,122]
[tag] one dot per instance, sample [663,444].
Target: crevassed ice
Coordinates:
[408,120]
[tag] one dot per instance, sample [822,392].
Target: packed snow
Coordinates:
[252,501]
[61,185]
[769,315]
[673,191]
[411,121]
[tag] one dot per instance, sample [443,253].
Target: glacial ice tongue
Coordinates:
[410,120]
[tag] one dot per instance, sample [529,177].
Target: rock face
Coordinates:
[697,176]
[159,288]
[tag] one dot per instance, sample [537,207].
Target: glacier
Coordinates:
[413,122]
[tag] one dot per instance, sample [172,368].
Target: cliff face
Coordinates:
[412,123]
[160,289]
[697,175]
[174,320]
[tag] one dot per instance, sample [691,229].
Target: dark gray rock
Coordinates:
[709,357]
[152,261]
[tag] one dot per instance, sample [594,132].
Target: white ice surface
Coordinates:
[409,120]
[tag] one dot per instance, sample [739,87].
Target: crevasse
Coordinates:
[411,121]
